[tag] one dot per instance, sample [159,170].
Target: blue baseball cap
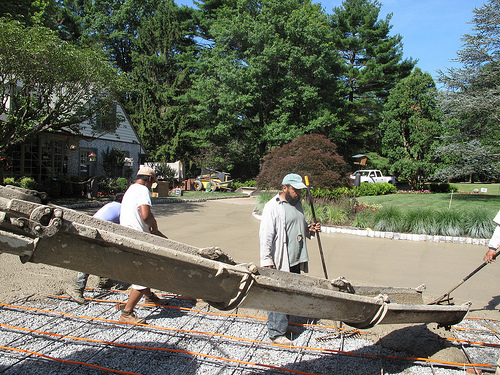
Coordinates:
[295,180]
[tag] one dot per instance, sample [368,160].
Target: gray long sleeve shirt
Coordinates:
[273,237]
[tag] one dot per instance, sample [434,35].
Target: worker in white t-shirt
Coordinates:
[136,214]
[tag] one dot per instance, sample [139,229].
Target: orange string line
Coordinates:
[138,347]
[250,341]
[296,324]
[66,361]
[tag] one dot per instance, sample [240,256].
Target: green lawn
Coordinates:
[491,189]
[439,202]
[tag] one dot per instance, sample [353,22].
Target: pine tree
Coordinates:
[411,126]
[270,76]
[162,65]
[374,64]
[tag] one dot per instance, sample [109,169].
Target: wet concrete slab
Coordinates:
[229,224]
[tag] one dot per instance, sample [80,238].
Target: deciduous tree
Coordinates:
[29,12]
[471,100]
[311,155]
[47,84]
[270,76]
[473,90]
[467,159]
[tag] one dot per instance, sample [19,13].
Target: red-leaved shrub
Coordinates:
[311,155]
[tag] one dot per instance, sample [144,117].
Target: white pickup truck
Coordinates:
[372,176]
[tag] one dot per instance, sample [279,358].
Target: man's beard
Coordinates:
[291,200]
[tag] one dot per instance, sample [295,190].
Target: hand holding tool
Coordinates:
[446,296]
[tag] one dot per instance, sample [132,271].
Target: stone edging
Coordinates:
[399,236]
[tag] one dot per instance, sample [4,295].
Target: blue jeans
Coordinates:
[81,280]
[277,323]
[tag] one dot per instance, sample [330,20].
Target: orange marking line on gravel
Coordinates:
[253,341]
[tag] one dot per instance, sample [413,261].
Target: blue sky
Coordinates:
[431,29]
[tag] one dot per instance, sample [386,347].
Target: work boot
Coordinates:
[120,306]
[131,317]
[282,340]
[76,294]
[153,299]
[105,283]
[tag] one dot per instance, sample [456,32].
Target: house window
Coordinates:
[24,160]
[30,162]
[39,159]
[52,158]
[16,159]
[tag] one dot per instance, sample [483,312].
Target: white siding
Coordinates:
[124,133]
[124,139]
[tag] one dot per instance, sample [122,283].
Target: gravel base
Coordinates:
[189,337]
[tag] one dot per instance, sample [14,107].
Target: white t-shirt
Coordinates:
[109,212]
[136,195]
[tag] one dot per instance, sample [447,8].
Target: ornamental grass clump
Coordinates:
[261,201]
[328,212]
[389,219]
[336,214]
[363,219]
[422,222]
[451,223]
[478,224]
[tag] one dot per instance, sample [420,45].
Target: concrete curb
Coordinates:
[399,236]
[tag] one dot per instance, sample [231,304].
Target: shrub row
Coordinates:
[442,187]
[111,186]
[365,189]
[235,185]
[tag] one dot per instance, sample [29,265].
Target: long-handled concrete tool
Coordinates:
[446,297]
[317,234]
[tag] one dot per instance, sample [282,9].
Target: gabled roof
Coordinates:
[124,133]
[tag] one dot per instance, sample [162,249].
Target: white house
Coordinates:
[88,159]
[65,154]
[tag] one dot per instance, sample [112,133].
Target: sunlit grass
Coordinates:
[467,216]
[438,202]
